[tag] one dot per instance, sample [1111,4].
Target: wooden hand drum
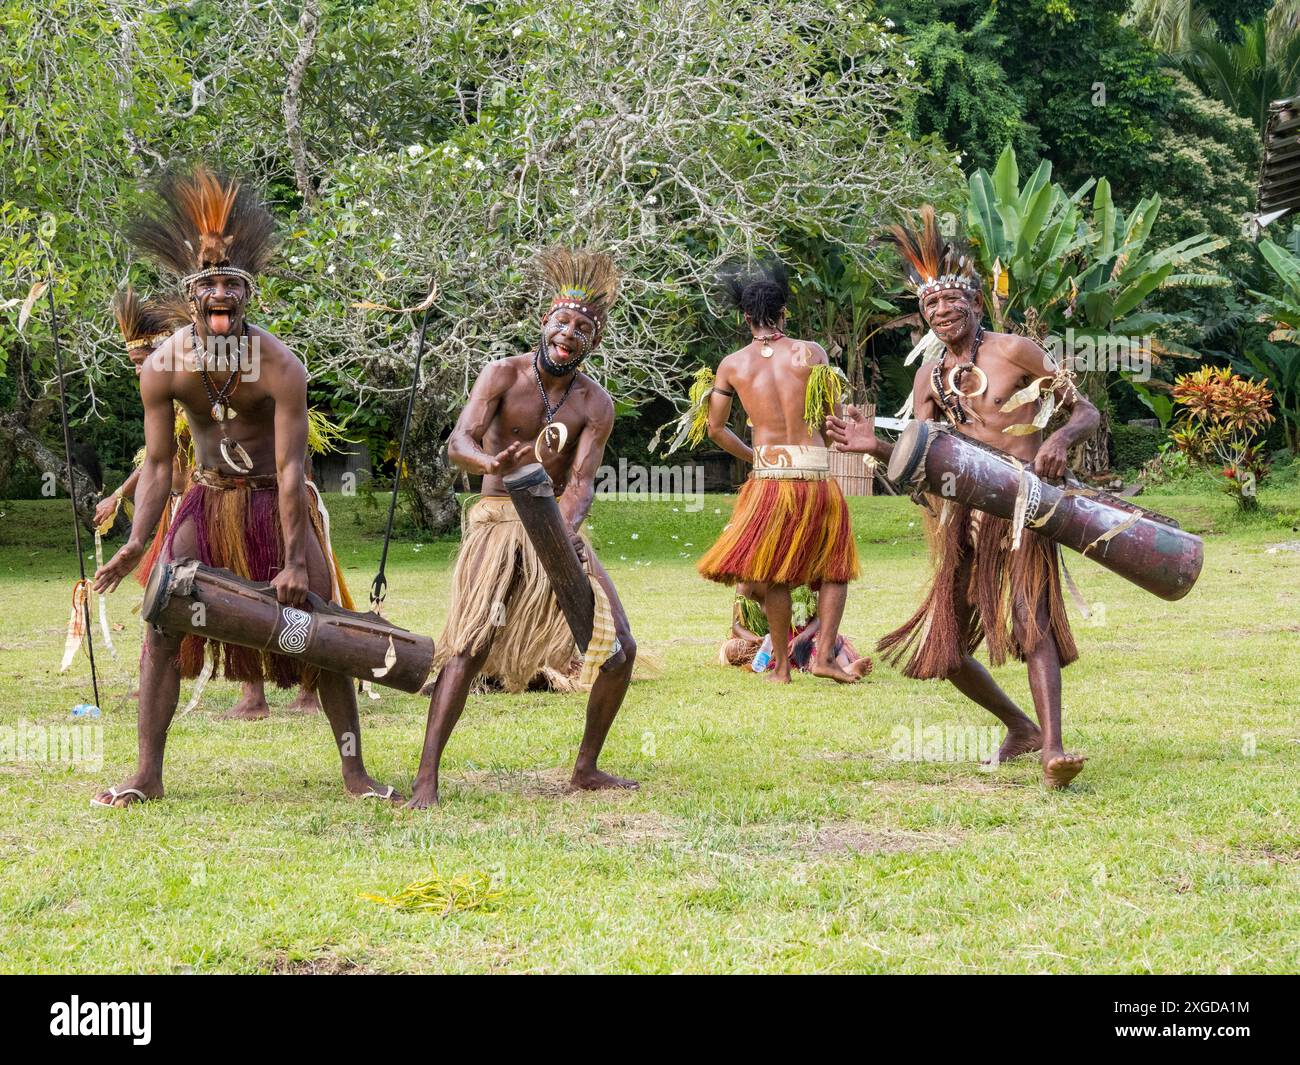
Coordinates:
[1143,547]
[186,597]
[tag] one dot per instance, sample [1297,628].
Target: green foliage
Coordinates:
[1248,73]
[1059,80]
[1056,266]
[1135,445]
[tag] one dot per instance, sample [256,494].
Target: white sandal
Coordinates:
[117,795]
[372,794]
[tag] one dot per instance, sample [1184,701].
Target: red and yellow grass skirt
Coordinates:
[237,527]
[785,530]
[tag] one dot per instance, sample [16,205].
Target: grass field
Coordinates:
[774,829]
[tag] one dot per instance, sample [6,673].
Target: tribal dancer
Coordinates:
[791,524]
[144,325]
[244,394]
[985,588]
[504,619]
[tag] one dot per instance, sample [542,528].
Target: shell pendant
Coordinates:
[766,350]
[240,462]
[221,412]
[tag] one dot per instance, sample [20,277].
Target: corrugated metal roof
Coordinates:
[1279,173]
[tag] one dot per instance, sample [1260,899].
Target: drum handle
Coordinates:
[313,600]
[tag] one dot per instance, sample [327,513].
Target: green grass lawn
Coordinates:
[773,830]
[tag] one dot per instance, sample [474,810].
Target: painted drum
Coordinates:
[186,597]
[1139,545]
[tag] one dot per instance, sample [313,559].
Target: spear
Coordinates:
[72,484]
[379,587]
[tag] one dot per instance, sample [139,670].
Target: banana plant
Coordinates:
[1053,265]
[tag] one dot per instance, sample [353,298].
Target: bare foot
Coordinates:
[778,676]
[306,703]
[125,794]
[251,707]
[1060,768]
[831,670]
[427,690]
[1019,742]
[595,780]
[364,786]
[861,667]
[424,794]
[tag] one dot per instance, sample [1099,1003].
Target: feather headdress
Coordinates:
[203,224]
[147,322]
[933,263]
[584,281]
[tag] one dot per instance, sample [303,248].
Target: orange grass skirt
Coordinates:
[785,531]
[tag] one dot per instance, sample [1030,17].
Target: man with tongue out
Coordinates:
[244,394]
[504,621]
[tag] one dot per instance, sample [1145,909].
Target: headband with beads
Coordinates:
[190,280]
[960,282]
[565,301]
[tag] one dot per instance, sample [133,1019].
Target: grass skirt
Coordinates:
[159,541]
[979,585]
[502,600]
[238,528]
[785,531]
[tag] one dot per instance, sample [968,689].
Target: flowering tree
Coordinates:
[418,145]
[676,134]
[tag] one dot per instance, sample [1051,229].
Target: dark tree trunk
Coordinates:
[18,439]
[431,480]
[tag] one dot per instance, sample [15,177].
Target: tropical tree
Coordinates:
[1172,24]
[1247,73]
[1078,280]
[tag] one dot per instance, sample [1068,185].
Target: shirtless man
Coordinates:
[145,325]
[1018,609]
[504,619]
[248,420]
[791,524]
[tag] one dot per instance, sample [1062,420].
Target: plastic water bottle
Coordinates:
[764,657]
[85,710]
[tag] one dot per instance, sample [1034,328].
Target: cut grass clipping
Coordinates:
[444,895]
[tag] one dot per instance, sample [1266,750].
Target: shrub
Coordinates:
[1222,422]
[1135,445]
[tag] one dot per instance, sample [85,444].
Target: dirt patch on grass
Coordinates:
[1257,630]
[638,828]
[531,783]
[1271,853]
[830,840]
[321,965]
[977,781]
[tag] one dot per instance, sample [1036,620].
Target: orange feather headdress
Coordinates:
[202,224]
[932,261]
